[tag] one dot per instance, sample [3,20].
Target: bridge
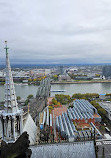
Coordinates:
[40,102]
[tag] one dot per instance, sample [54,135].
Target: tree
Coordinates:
[50,108]
[63,99]
[34,79]
[86,96]
[58,103]
[95,104]
[30,96]
[18,98]
[29,80]
[26,102]
[97,75]
[38,79]
[101,111]
[108,94]
[54,101]
[55,77]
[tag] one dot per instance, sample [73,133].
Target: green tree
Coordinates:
[63,99]
[108,94]
[95,104]
[97,75]
[29,80]
[101,111]
[54,101]
[55,77]
[18,98]
[85,96]
[34,79]
[26,102]
[58,103]
[50,108]
[77,96]
[30,96]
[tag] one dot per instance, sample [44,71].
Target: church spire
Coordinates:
[10,96]
[11,117]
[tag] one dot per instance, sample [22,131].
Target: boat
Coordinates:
[58,90]
[18,83]
[24,84]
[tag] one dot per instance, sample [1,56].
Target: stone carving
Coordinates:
[19,149]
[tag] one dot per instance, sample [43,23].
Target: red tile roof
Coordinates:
[59,111]
[96,115]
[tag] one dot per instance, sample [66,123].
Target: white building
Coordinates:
[64,77]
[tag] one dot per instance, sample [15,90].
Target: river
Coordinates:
[24,91]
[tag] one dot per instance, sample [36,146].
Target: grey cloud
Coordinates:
[56,31]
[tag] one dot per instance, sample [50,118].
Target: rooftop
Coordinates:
[31,128]
[58,111]
[95,115]
[72,150]
[84,125]
[105,105]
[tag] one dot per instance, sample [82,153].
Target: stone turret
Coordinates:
[11,117]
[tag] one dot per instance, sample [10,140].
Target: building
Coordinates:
[107,71]
[106,105]
[73,70]
[58,111]
[36,73]
[104,96]
[79,121]
[64,77]
[61,70]
[45,119]
[65,150]
[103,148]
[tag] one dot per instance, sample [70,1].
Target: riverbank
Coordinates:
[70,89]
[80,82]
[63,82]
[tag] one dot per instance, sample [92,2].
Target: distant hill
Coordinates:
[49,65]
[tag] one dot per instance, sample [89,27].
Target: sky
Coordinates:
[56,32]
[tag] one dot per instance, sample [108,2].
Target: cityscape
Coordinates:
[52,120]
[55,79]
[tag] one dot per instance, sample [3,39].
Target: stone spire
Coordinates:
[10,96]
[11,117]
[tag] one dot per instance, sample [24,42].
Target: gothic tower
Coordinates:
[11,117]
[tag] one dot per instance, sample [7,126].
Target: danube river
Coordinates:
[24,91]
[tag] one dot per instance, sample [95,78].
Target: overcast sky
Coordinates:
[56,31]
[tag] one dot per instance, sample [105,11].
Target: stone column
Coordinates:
[18,124]
[2,121]
[21,124]
[13,126]
[7,130]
